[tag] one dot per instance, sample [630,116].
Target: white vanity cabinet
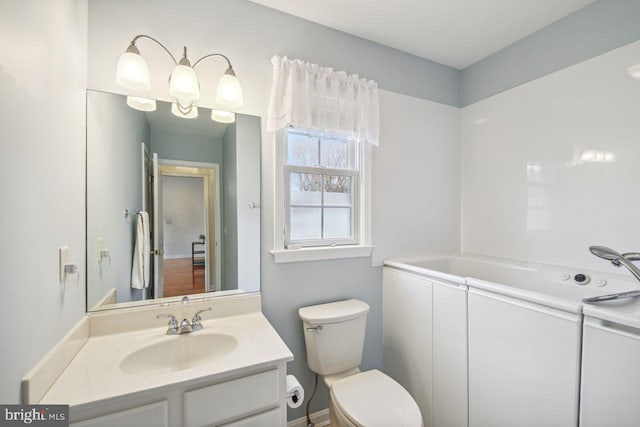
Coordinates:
[524,363]
[252,400]
[425,347]
[610,375]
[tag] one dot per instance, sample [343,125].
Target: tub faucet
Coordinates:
[618,259]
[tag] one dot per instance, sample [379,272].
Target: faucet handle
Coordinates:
[195,322]
[173,322]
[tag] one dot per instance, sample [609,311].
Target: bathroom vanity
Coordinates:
[121,368]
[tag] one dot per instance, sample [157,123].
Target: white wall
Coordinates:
[414,131]
[42,128]
[183,211]
[526,195]
[114,183]
[416,178]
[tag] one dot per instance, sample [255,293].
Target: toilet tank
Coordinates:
[334,335]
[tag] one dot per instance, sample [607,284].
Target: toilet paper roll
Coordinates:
[295,392]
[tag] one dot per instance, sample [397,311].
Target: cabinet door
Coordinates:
[610,375]
[271,418]
[449,355]
[153,415]
[220,403]
[524,362]
[407,335]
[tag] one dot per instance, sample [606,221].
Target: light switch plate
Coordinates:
[64,259]
[100,248]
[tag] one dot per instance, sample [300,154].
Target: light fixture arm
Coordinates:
[133,43]
[215,54]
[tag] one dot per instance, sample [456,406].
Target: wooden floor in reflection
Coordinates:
[182,278]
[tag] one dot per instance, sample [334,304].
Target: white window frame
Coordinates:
[360,245]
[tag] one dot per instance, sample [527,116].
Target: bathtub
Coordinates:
[482,341]
[552,286]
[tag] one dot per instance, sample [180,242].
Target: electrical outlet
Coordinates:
[64,259]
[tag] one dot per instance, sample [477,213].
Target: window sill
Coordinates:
[321,253]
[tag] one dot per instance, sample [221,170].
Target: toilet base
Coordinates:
[338,419]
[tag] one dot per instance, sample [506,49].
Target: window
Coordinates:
[322,196]
[321,183]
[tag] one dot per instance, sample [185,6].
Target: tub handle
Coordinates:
[609,297]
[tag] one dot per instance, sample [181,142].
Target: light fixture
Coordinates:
[183,83]
[223,116]
[229,93]
[142,104]
[634,71]
[133,73]
[189,112]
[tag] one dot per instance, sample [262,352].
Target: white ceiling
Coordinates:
[452,32]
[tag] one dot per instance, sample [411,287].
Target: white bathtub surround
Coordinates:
[547,166]
[94,383]
[518,329]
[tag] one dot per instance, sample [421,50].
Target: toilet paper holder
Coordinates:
[294,396]
[294,392]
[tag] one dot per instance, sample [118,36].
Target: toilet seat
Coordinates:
[373,399]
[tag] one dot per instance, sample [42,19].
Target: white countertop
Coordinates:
[94,375]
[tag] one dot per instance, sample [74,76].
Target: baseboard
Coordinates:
[320,419]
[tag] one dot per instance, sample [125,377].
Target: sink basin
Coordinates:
[175,353]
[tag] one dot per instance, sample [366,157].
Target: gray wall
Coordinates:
[186,146]
[114,175]
[248,177]
[230,211]
[593,30]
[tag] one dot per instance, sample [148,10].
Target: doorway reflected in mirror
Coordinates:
[197,180]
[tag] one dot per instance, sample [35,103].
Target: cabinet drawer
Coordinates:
[232,399]
[270,418]
[155,414]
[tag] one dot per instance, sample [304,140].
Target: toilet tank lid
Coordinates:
[333,312]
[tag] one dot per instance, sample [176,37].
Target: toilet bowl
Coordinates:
[334,339]
[372,399]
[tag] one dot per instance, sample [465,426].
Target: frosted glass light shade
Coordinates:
[229,92]
[132,72]
[183,83]
[190,115]
[142,104]
[223,116]
[634,71]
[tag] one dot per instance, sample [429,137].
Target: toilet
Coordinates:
[334,338]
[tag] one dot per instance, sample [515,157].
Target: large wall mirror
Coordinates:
[173,204]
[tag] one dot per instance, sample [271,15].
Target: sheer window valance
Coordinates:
[307,96]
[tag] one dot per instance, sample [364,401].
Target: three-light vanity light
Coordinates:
[184,87]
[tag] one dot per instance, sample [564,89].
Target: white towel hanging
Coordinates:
[141,259]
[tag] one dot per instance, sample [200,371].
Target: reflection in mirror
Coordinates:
[172,204]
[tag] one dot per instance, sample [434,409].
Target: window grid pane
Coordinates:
[321,200]
[320,207]
[321,150]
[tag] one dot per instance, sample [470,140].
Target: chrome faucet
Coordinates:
[616,259]
[185,326]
